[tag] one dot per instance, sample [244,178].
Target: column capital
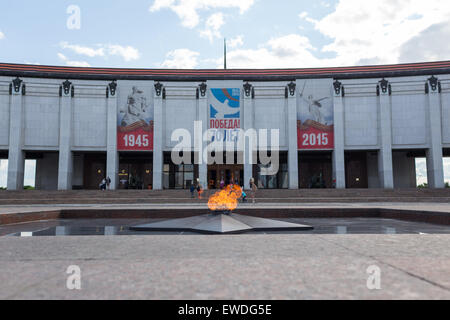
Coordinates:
[291,88]
[202,90]
[160,91]
[111,89]
[384,87]
[17,87]
[249,91]
[433,85]
[338,88]
[66,89]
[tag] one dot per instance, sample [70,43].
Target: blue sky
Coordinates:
[189,33]
[36,33]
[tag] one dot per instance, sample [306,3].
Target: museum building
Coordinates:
[343,127]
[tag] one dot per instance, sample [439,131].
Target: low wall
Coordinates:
[442,218]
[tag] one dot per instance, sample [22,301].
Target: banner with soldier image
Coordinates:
[315,120]
[135,118]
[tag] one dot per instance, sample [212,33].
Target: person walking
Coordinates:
[103,185]
[244,195]
[108,183]
[192,189]
[199,189]
[253,189]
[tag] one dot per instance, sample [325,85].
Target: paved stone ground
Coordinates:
[226,267]
[268,266]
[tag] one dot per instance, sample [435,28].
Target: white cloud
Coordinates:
[82,50]
[2,35]
[377,30]
[236,42]
[128,53]
[188,10]
[428,45]
[305,16]
[181,59]
[82,64]
[72,63]
[359,33]
[212,26]
[62,57]
[287,51]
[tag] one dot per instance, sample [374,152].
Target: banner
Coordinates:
[315,120]
[225,114]
[135,119]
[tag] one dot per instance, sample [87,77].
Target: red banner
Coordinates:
[135,139]
[313,135]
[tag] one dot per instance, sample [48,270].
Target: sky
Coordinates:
[190,33]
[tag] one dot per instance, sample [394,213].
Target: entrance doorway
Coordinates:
[356,170]
[136,171]
[279,180]
[228,173]
[94,170]
[315,170]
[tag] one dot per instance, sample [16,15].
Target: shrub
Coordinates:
[423,185]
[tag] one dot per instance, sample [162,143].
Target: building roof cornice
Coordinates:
[374,71]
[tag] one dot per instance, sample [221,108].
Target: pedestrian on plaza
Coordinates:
[253,189]
[108,183]
[199,189]
[222,184]
[103,185]
[192,189]
[244,195]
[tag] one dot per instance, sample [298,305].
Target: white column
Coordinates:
[248,124]
[203,118]
[158,138]
[65,165]
[385,171]
[112,156]
[435,170]
[16,158]
[339,136]
[292,136]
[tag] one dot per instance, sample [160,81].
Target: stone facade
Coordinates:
[389,118]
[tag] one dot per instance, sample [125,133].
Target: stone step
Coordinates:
[263,191]
[183,196]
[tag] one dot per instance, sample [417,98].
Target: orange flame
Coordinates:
[226,199]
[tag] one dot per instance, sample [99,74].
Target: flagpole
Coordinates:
[225,53]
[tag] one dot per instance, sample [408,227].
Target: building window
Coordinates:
[178,176]
[277,181]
